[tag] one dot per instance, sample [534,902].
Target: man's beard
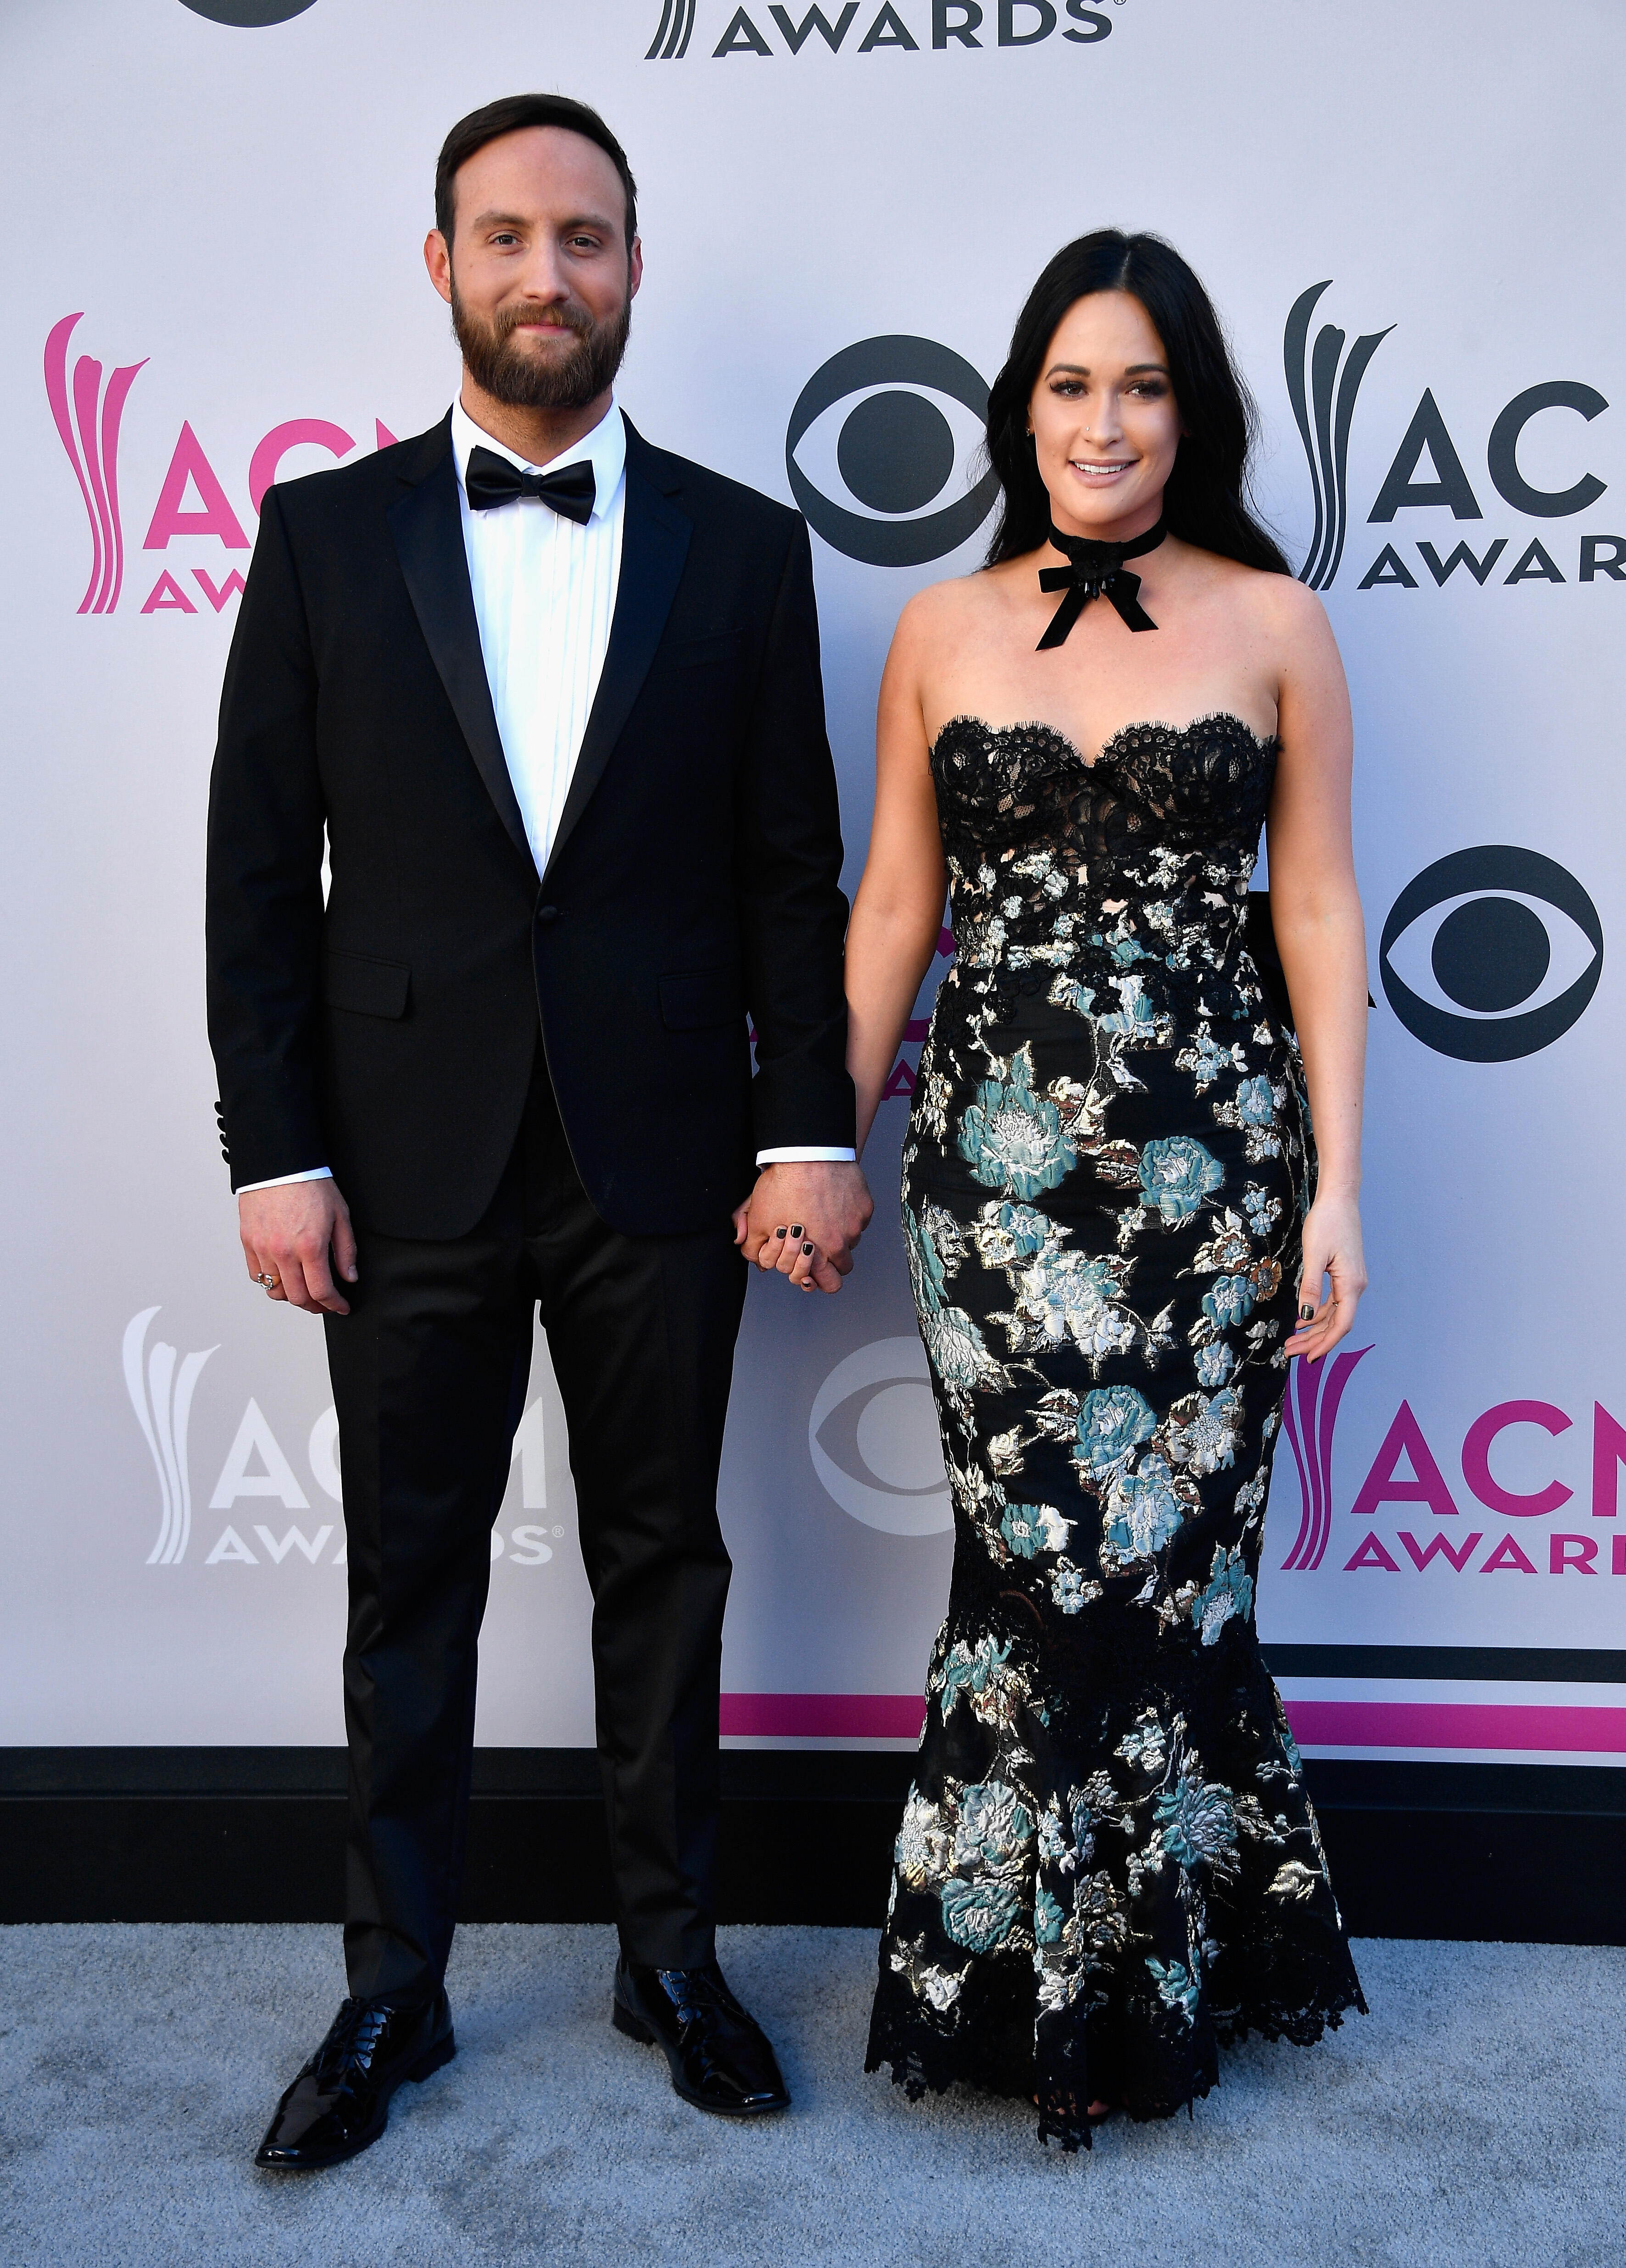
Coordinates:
[525,380]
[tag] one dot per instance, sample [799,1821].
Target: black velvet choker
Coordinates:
[1096,570]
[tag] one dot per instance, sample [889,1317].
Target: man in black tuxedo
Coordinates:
[552,697]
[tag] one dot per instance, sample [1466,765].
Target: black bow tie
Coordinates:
[1095,570]
[491,480]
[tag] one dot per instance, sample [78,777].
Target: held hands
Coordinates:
[804,1220]
[300,1236]
[1331,1247]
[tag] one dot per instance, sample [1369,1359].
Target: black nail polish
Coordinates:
[806,1248]
[1307,1315]
[797,1230]
[779,1232]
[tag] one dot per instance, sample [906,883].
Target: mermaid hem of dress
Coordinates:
[956,2062]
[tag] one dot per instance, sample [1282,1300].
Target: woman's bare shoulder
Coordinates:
[1268,599]
[945,611]
[1277,612]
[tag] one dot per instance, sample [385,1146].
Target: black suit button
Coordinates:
[546,916]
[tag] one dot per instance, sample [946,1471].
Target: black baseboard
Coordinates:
[1474,1852]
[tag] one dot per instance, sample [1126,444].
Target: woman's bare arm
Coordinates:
[1316,912]
[898,912]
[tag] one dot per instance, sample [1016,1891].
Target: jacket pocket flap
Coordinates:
[366,987]
[690,1004]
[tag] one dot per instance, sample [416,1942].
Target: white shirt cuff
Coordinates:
[282,1181]
[806,1157]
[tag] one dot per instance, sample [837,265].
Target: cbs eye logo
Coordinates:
[894,453]
[1492,953]
[248,15]
[873,1434]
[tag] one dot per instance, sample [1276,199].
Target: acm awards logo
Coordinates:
[162,1383]
[1406,1490]
[953,24]
[192,501]
[1322,384]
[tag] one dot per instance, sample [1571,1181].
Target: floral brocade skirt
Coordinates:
[1108,1864]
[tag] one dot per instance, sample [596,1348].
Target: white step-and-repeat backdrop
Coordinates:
[1405,211]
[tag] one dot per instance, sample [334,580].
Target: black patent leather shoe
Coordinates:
[339,2102]
[719,2056]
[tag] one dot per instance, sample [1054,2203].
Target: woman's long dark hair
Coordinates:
[1206,500]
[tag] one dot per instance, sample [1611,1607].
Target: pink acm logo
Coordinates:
[1309,1418]
[88,417]
[192,499]
[1407,1483]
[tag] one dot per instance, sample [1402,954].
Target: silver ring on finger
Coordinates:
[272,1282]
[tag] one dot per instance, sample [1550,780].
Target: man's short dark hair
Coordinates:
[508,116]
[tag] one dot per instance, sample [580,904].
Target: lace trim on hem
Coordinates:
[910,2072]
[918,2074]
[1303,2028]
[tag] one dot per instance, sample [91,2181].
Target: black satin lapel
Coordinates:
[655,536]
[428,529]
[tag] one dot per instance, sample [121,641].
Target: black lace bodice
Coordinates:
[1002,786]
[1067,872]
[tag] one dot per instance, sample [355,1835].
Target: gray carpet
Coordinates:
[1476,2117]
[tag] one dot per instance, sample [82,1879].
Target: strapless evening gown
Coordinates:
[1107,1863]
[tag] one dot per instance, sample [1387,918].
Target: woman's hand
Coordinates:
[1331,1247]
[804,1219]
[789,1253]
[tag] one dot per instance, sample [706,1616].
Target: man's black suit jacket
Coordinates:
[391,1033]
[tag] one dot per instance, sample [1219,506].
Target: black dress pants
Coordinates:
[430,1370]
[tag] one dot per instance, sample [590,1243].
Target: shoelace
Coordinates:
[353,2036]
[689,1992]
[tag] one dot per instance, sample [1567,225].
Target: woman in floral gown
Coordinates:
[1118,1231]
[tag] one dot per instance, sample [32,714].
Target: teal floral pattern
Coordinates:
[1014,1139]
[1108,1864]
[1177,1176]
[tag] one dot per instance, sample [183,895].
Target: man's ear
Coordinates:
[438,260]
[635,268]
